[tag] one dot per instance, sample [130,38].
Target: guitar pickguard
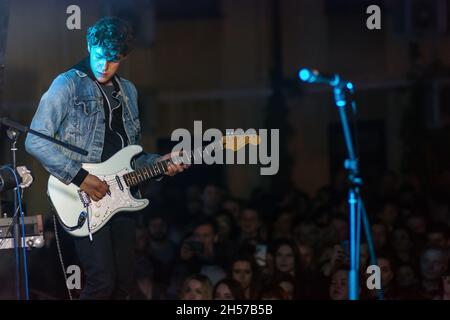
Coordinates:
[118,200]
[70,207]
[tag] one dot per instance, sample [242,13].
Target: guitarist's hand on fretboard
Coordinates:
[172,168]
[94,187]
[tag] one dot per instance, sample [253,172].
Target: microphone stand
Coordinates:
[357,209]
[13,133]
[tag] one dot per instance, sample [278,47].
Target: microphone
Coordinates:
[314,76]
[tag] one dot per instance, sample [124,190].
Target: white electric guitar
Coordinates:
[80,216]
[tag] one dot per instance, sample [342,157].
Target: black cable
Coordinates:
[60,255]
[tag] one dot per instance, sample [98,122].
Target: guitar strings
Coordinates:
[114,182]
[167,162]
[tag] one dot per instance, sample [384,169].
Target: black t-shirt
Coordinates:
[115,135]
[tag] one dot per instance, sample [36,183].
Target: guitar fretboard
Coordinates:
[159,168]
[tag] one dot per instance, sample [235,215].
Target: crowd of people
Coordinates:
[282,245]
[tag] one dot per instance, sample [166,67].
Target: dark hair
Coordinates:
[205,221]
[247,257]
[235,287]
[286,277]
[438,228]
[434,248]
[254,284]
[155,216]
[273,292]
[386,255]
[112,34]
[239,201]
[251,207]
[295,251]
[335,271]
[230,217]
[144,268]
[283,277]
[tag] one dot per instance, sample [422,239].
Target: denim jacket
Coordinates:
[72,111]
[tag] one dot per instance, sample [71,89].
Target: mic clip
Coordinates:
[25,174]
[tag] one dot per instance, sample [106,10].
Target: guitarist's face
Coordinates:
[102,68]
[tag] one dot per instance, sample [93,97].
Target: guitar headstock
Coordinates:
[235,142]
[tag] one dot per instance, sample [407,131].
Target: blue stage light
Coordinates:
[340,103]
[304,74]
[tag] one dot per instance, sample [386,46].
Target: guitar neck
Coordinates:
[159,168]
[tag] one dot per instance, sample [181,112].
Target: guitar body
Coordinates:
[70,208]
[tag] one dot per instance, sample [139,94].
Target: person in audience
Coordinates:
[245,271]
[196,287]
[228,289]
[338,289]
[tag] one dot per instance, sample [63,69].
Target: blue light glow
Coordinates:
[350,86]
[304,74]
[340,103]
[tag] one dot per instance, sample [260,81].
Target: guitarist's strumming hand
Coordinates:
[173,169]
[94,187]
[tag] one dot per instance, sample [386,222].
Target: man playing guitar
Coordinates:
[91,107]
